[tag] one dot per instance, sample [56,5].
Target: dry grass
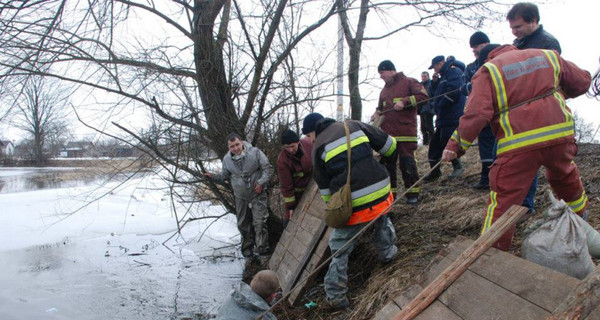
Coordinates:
[447,209]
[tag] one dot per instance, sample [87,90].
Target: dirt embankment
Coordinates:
[446,209]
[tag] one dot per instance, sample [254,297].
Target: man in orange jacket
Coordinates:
[522,94]
[398,103]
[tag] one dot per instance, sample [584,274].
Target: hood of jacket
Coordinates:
[500,50]
[322,125]
[248,299]
[452,63]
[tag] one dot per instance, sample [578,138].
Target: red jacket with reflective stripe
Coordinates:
[295,173]
[522,93]
[401,123]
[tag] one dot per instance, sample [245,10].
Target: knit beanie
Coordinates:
[478,38]
[288,136]
[310,122]
[386,65]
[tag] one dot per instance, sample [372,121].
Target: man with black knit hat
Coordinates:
[486,139]
[397,105]
[370,192]
[294,168]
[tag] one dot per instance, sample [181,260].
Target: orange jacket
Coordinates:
[402,125]
[522,94]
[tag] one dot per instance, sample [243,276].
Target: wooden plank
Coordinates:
[388,311]
[304,237]
[436,310]
[309,250]
[320,255]
[584,298]
[484,242]
[473,297]
[532,279]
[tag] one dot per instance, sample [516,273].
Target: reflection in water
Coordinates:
[30,179]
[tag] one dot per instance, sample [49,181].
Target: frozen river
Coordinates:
[64,256]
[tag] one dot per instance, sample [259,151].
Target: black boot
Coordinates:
[458,169]
[484,180]
[434,174]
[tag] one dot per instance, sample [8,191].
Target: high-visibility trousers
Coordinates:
[511,175]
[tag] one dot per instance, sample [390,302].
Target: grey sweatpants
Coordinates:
[252,218]
[336,278]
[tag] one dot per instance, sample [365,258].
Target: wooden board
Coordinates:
[303,246]
[497,285]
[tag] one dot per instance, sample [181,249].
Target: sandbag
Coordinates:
[560,242]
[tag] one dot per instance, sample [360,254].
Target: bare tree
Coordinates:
[399,16]
[41,110]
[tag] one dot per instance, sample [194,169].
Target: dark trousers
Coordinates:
[438,143]
[426,126]
[408,167]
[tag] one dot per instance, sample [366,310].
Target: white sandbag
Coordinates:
[560,243]
[593,240]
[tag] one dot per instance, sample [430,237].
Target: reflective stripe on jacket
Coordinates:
[370,183]
[294,173]
[402,125]
[522,93]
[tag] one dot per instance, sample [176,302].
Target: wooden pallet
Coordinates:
[303,245]
[498,285]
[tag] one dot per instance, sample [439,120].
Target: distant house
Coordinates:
[7,149]
[77,149]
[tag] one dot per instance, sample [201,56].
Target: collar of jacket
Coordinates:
[519,43]
[322,125]
[398,76]
[500,50]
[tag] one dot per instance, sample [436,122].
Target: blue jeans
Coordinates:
[336,279]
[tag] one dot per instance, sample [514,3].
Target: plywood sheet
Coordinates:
[303,245]
[497,285]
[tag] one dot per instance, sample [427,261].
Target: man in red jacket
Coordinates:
[522,94]
[398,104]
[294,168]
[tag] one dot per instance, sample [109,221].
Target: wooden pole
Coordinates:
[581,301]
[460,265]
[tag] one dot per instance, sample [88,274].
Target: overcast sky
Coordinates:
[571,22]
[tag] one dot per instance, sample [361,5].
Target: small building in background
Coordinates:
[77,149]
[7,149]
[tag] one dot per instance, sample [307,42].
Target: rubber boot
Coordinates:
[433,175]
[484,180]
[458,169]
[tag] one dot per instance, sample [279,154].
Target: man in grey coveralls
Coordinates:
[248,170]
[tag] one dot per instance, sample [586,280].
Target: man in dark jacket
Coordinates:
[247,302]
[426,111]
[370,186]
[294,168]
[486,139]
[397,104]
[524,18]
[448,104]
